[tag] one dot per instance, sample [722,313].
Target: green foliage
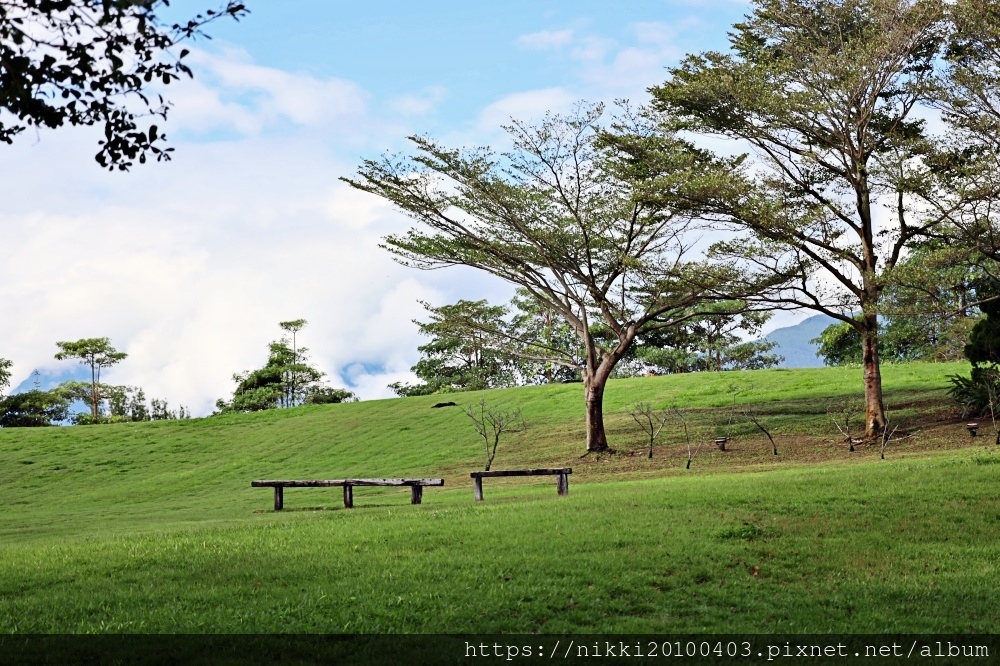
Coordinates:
[32,409]
[983,347]
[712,342]
[979,393]
[5,366]
[839,344]
[98,354]
[545,349]
[461,356]
[58,73]
[286,380]
[326,395]
[128,403]
[902,340]
[476,346]
[929,307]
[118,404]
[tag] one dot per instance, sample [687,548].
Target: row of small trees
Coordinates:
[475,345]
[287,379]
[107,403]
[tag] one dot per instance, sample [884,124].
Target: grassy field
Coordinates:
[153,527]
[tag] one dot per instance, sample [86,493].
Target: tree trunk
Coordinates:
[597,440]
[93,392]
[874,406]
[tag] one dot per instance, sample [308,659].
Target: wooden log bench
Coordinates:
[416,487]
[561,473]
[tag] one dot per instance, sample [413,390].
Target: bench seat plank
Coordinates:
[522,472]
[325,483]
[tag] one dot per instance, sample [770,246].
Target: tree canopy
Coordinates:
[96,353]
[460,355]
[589,220]
[91,62]
[33,409]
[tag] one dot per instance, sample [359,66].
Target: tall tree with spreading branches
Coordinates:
[585,219]
[828,95]
[293,327]
[96,353]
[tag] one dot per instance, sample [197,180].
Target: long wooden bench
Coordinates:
[416,487]
[562,480]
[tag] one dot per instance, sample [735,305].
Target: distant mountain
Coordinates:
[793,342]
[49,379]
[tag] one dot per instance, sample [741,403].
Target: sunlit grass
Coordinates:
[154,527]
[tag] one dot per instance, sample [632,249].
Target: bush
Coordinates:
[976,392]
[329,396]
[33,409]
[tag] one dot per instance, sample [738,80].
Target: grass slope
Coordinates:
[153,527]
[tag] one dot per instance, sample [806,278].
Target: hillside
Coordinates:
[62,481]
[154,527]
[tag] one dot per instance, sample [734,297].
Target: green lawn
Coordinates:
[154,527]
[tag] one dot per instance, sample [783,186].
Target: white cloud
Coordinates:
[420,102]
[545,40]
[607,68]
[528,106]
[189,265]
[232,94]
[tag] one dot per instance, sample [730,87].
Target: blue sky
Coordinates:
[477,51]
[188,265]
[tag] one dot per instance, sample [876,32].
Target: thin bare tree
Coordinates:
[887,434]
[843,413]
[493,421]
[679,414]
[752,415]
[650,420]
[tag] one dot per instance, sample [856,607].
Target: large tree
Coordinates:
[828,95]
[582,218]
[91,62]
[96,353]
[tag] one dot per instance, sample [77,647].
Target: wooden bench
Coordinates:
[562,480]
[416,487]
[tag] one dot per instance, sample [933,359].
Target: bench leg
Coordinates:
[562,484]
[477,488]
[348,497]
[279,498]
[416,494]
